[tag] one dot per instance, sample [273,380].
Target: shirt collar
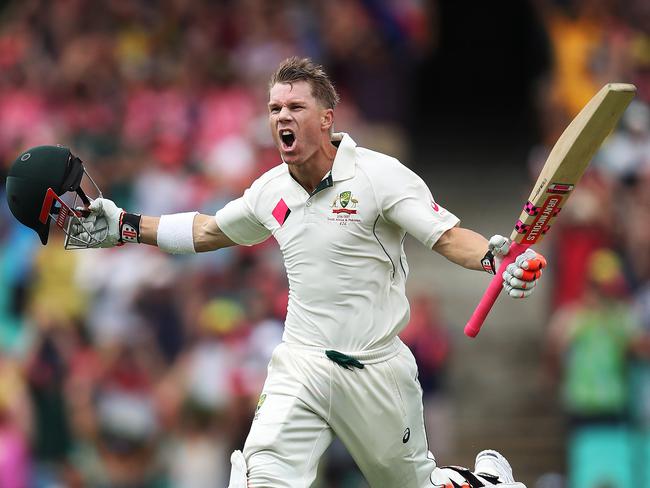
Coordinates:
[345,161]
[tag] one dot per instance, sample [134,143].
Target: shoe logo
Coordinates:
[407,436]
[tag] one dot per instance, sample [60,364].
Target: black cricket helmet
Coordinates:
[36,184]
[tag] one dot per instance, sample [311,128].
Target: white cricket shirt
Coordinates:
[342,245]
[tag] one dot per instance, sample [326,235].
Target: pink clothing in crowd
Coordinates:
[14,460]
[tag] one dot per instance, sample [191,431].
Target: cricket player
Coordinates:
[340,214]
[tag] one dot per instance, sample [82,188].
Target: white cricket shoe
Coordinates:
[492,463]
[490,469]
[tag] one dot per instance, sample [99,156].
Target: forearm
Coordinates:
[149,230]
[108,225]
[463,247]
[206,235]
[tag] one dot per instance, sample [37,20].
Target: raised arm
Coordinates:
[206,234]
[462,246]
[183,233]
[472,251]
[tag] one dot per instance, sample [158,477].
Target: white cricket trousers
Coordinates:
[308,399]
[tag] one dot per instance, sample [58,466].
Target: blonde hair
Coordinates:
[304,69]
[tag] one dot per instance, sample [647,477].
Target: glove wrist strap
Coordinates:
[488,263]
[130,227]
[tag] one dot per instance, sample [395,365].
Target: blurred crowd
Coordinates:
[126,367]
[598,338]
[130,368]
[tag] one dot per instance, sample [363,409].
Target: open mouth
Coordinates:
[288,139]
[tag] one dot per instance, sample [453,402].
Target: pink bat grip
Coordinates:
[492,293]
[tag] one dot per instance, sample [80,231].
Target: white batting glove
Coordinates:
[102,227]
[520,277]
[499,246]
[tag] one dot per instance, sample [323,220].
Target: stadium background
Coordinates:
[129,368]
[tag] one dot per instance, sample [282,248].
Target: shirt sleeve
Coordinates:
[407,202]
[238,220]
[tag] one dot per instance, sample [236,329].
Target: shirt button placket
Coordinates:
[310,211]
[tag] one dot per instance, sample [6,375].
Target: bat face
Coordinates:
[568,160]
[563,168]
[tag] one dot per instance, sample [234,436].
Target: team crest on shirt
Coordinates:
[344,208]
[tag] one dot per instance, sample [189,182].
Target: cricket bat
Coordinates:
[563,169]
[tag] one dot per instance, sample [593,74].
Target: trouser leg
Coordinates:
[290,431]
[377,413]
[285,444]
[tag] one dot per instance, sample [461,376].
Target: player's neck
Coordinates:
[310,173]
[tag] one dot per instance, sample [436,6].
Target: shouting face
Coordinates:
[299,123]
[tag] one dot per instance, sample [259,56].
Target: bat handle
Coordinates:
[492,293]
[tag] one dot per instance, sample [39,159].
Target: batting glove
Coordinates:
[498,246]
[520,277]
[102,226]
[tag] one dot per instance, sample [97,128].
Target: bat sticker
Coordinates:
[559,188]
[540,225]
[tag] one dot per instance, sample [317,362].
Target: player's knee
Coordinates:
[394,455]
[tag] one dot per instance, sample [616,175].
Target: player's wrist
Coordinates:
[498,246]
[129,227]
[175,233]
[488,263]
